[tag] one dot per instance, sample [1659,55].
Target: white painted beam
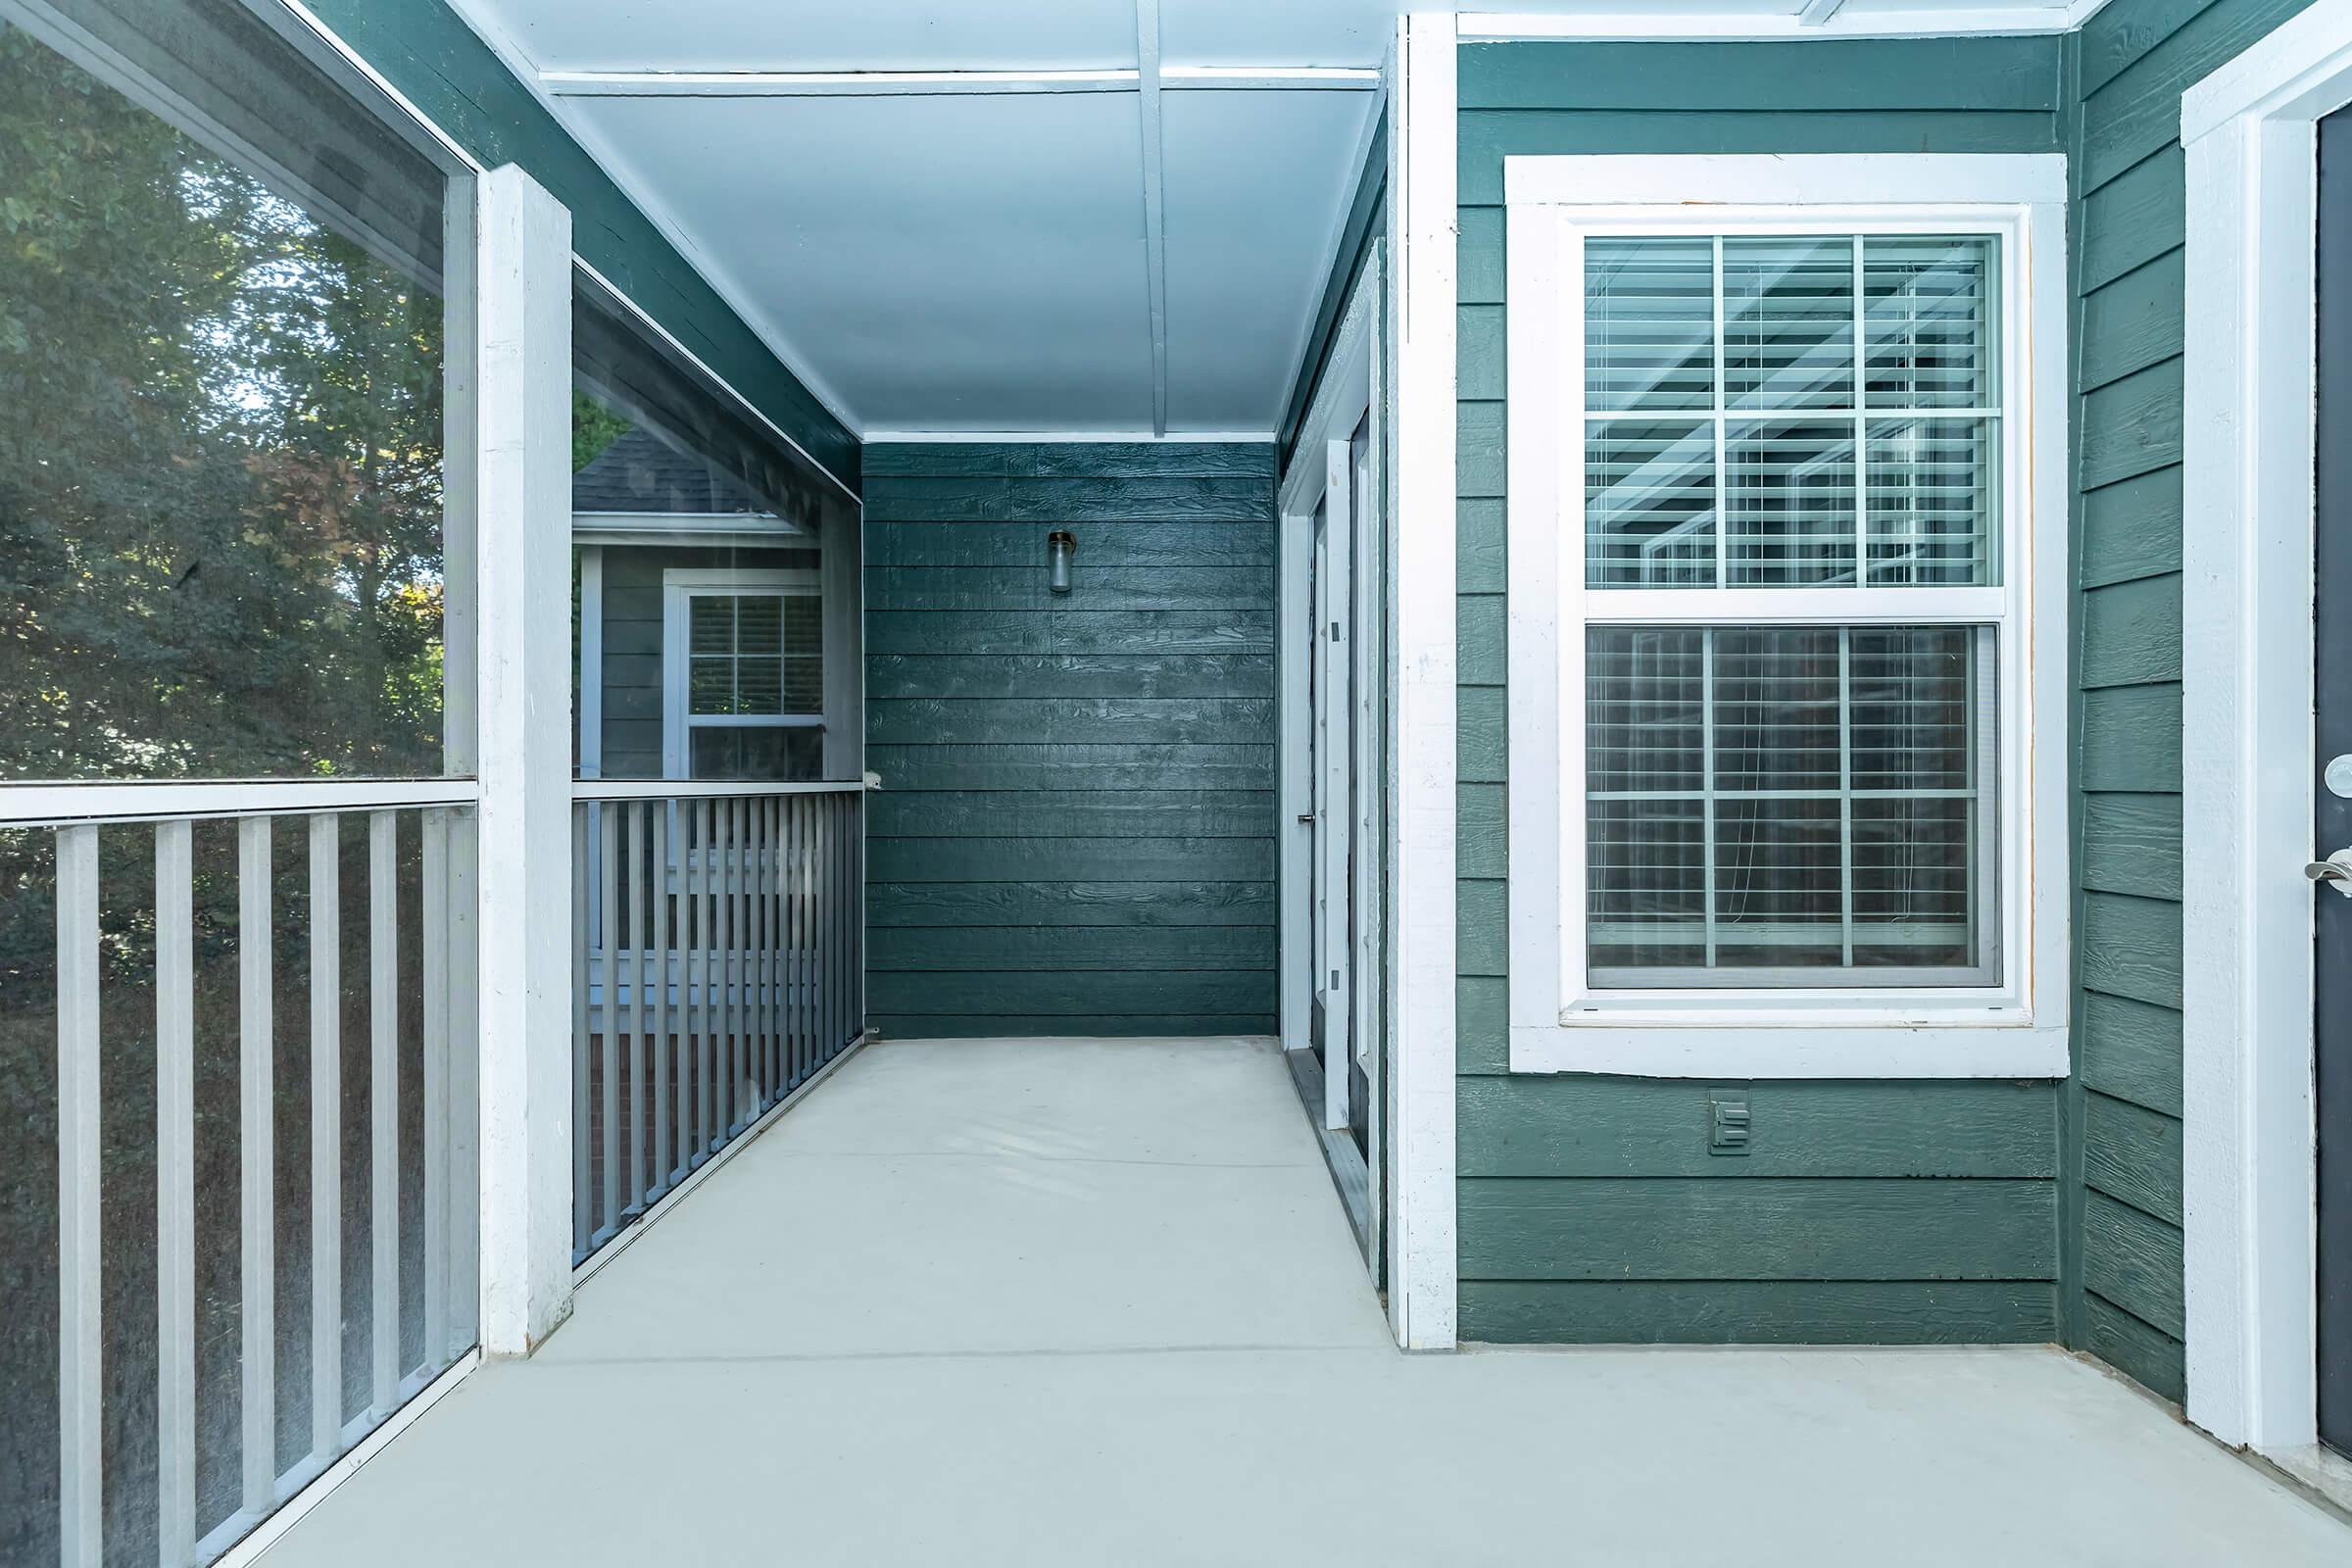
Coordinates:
[523,367]
[1156,247]
[944,83]
[1628,22]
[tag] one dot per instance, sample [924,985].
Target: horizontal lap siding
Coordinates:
[1075,832]
[2135,60]
[1590,1207]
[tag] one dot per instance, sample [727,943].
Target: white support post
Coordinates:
[1423,1268]
[522,397]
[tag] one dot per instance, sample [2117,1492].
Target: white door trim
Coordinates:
[2246,776]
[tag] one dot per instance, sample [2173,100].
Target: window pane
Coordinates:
[758,753]
[710,686]
[804,624]
[803,686]
[711,623]
[1649,505]
[1931,320]
[1934,488]
[1789,323]
[1789,502]
[1789,806]
[221,431]
[760,623]
[1650,323]
[1776,708]
[759,686]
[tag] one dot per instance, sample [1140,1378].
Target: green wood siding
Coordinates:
[1590,1207]
[2122,1150]
[1076,830]
[426,51]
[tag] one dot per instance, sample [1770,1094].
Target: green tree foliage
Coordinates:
[594,428]
[219,460]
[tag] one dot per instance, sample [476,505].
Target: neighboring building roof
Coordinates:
[640,472]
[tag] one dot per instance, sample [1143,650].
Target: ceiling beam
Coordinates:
[944,83]
[1156,250]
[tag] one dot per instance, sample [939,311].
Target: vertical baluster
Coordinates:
[730,938]
[706,917]
[829,908]
[326,1136]
[608,925]
[257,1304]
[434,925]
[579,1033]
[774,815]
[755,1039]
[753,957]
[80,1386]
[764,934]
[663,1169]
[383,1098]
[175,1194]
[795,815]
[639,914]
[857,908]
[807,888]
[465,1091]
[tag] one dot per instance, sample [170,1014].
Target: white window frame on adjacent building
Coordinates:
[680,586]
[1559,1022]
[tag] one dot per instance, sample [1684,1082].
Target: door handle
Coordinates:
[2336,871]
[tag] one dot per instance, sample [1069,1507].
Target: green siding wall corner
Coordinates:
[1075,833]
[2122,1124]
[425,50]
[1590,1207]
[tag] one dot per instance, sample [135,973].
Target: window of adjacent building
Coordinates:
[744,669]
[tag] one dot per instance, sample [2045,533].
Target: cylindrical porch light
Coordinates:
[1060,546]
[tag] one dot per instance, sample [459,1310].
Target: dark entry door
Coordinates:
[2333,1020]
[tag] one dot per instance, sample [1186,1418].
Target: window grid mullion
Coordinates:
[1861,444]
[1723,509]
[1846,792]
[1706,785]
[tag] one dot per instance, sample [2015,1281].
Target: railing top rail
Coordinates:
[46,805]
[682,789]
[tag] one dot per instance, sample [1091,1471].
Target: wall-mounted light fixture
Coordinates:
[1060,546]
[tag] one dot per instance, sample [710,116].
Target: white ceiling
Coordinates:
[969,262]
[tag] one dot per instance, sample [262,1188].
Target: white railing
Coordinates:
[208,938]
[719,962]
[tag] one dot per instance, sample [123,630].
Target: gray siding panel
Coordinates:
[1075,833]
[1590,1209]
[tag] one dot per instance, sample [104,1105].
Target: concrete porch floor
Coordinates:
[1090,1302]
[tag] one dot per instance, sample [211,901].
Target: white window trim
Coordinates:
[679,586]
[2249,1186]
[2016,1029]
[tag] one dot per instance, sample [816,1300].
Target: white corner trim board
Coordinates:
[2247,1147]
[2012,1022]
[1424,1268]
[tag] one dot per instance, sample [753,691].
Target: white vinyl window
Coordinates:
[1774,610]
[743,674]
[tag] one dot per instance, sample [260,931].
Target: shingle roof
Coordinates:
[641,473]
